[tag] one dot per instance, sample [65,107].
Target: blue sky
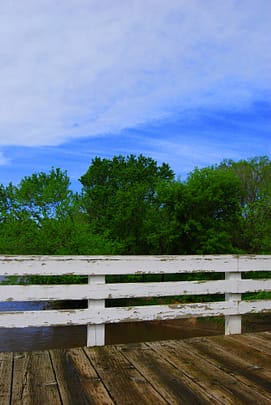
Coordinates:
[187,82]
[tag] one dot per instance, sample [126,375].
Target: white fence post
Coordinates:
[96,333]
[233,323]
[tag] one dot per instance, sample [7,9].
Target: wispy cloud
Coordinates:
[3,160]
[84,68]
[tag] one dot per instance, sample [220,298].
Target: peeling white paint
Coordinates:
[102,291]
[96,291]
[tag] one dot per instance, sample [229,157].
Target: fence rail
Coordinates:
[97,290]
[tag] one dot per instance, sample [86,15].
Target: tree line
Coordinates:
[132,205]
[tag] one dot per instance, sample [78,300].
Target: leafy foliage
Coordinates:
[255,201]
[132,205]
[120,195]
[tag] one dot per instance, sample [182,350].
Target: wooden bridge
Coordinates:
[232,369]
[222,370]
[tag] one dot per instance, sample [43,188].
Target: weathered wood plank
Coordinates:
[34,380]
[174,385]
[126,385]
[254,263]
[241,348]
[101,291]
[126,314]
[257,342]
[19,378]
[196,370]
[96,267]
[77,380]
[6,360]
[113,315]
[106,265]
[237,362]
[253,306]
[102,265]
[222,381]
[245,382]
[220,370]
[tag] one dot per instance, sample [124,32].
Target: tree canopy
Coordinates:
[132,205]
[119,195]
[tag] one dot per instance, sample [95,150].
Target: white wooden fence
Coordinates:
[97,291]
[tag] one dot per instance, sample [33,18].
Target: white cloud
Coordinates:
[87,67]
[3,160]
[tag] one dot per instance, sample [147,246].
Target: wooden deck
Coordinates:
[208,370]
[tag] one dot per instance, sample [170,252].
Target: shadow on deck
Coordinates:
[232,369]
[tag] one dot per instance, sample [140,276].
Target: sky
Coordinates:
[186,82]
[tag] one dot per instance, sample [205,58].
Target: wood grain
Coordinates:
[212,370]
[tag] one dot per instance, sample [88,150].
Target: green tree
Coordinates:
[119,195]
[255,200]
[43,216]
[213,198]
[168,219]
[45,196]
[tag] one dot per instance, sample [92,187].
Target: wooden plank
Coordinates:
[254,263]
[128,314]
[220,370]
[103,291]
[105,265]
[114,315]
[214,374]
[6,360]
[102,265]
[77,380]
[257,342]
[21,368]
[174,385]
[254,306]
[245,382]
[207,378]
[265,337]
[240,346]
[126,385]
[237,362]
[34,380]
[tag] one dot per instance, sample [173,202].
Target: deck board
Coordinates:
[207,370]
[124,382]
[77,379]
[5,377]
[174,385]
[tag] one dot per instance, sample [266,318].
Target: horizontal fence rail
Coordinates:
[97,290]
